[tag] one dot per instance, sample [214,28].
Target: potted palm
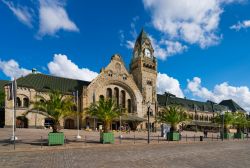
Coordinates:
[173,115]
[105,110]
[227,120]
[240,122]
[55,108]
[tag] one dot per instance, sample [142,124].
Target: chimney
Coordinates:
[34,71]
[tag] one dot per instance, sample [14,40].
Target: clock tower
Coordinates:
[143,67]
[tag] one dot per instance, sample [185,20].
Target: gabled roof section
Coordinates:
[42,82]
[191,105]
[232,105]
[2,83]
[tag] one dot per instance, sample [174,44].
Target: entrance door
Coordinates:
[69,124]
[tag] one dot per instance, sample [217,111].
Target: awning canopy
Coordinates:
[131,118]
[203,124]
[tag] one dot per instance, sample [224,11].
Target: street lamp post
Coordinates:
[120,118]
[78,136]
[148,104]
[223,113]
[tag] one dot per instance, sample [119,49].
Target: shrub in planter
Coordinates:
[173,115]
[105,110]
[55,108]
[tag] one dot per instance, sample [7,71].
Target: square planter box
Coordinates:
[239,135]
[107,137]
[173,136]
[56,138]
[228,135]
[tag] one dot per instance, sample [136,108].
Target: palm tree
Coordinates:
[173,115]
[106,110]
[229,119]
[55,108]
[240,121]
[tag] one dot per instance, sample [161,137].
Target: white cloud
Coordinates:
[53,17]
[11,69]
[194,21]
[241,25]
[223,91]
[168,84]
[62,66]
[23,14]
[130,44]
[166,48]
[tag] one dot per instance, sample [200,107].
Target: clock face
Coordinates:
[147,53]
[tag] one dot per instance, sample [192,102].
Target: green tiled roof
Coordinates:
[232,105]
[192,105]
[42,82]
[2,83]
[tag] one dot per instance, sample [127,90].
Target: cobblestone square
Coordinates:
[228,154]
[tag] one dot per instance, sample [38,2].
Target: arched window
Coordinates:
[116,93]
[191,116]
[109,93]
[101,97]
[206,118]
[196,117]
[123,99]
[26,102]
[201,118]
[18,102]
[129,106]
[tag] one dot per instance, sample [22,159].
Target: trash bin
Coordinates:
[201,138]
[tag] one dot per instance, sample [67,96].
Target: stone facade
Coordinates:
[133,90]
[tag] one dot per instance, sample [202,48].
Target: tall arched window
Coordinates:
[18,102]
[101,97]
[116,93]
[123,99]
[129,106]
[109,93]
[26,102]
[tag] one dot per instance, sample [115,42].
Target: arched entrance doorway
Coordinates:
[21,122]
[69,124]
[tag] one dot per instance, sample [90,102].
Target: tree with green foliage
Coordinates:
[55,108]
[240,121]
[105,110]
[229,119]
[173,115]
[2,98]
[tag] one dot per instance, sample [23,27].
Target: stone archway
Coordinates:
[21,122]
[69,124]
[127,88]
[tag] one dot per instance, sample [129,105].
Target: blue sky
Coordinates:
[202,47]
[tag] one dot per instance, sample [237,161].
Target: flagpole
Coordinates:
[13,90]
[78,136]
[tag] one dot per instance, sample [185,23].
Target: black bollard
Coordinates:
[41,141]
[85,140]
